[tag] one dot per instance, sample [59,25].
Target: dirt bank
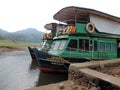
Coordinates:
[9,49]
[65,85]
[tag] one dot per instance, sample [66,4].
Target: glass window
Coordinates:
[62,44]
[101,46]
[56,45]
[95,45]
[118,44]
[91,46]
[108,46]
[81,44]
[114,47]
[84,45]
[72,45]
[53,43]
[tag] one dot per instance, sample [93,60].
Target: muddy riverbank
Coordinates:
[64,85]
[9,49]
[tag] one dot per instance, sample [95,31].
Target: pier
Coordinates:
[93,75]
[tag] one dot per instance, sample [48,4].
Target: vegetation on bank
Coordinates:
[13,43]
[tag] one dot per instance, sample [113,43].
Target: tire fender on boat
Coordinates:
[65,30]
[49,35]
[45,36]
[71,29]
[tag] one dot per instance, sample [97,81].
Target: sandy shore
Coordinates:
[9,49]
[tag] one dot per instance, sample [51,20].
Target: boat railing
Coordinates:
[87,53]
[76,49]
[79,53]
[103,54]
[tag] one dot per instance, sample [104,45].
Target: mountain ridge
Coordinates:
[25,35]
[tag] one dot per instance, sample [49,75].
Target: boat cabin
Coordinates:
[48,37]
[88,34]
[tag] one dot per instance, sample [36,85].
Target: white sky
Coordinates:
[21,14]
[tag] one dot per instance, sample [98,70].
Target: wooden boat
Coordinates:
[46,42]
[32,54]
[88,35]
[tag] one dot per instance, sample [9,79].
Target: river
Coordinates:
[18,72]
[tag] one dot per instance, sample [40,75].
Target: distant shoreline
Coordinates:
[9,49]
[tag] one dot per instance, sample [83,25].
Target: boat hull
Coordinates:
[32,54]
[47,64]
[52,66]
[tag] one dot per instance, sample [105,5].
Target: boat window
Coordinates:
[114,47]
[84,45]
[108,46]
[95,45]
[59,44]
[45,45]
[72,45]
[101,46]
[91,46]
[62,44]
[52,46]
[56,45]
[42,44]
[60,29]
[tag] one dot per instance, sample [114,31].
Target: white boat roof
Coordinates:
[69,13]
[102,21]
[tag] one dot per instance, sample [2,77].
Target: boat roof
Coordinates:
[74,13]
[50,26]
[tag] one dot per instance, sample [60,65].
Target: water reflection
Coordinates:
[33,65]
[18,72]
[48,78]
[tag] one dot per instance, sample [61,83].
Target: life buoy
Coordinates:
[92,26]
[45,36]
[71,30]
[65,30]
[49,35]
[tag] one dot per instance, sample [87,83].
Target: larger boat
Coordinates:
[88,35]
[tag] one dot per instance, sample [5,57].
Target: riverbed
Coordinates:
[18,72]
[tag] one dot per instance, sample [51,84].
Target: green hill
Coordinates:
[27,35]
[12,43]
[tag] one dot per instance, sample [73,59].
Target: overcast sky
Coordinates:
[21,14]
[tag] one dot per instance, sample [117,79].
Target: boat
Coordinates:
[88,35]
[32,54]
[46,41]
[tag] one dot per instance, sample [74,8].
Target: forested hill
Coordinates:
[26,35]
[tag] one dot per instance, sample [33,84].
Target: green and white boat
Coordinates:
[88,35]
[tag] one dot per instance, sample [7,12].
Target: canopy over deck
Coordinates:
[51,26]
[102,21]
[72,13]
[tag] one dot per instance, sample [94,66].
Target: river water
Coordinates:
[18,72]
